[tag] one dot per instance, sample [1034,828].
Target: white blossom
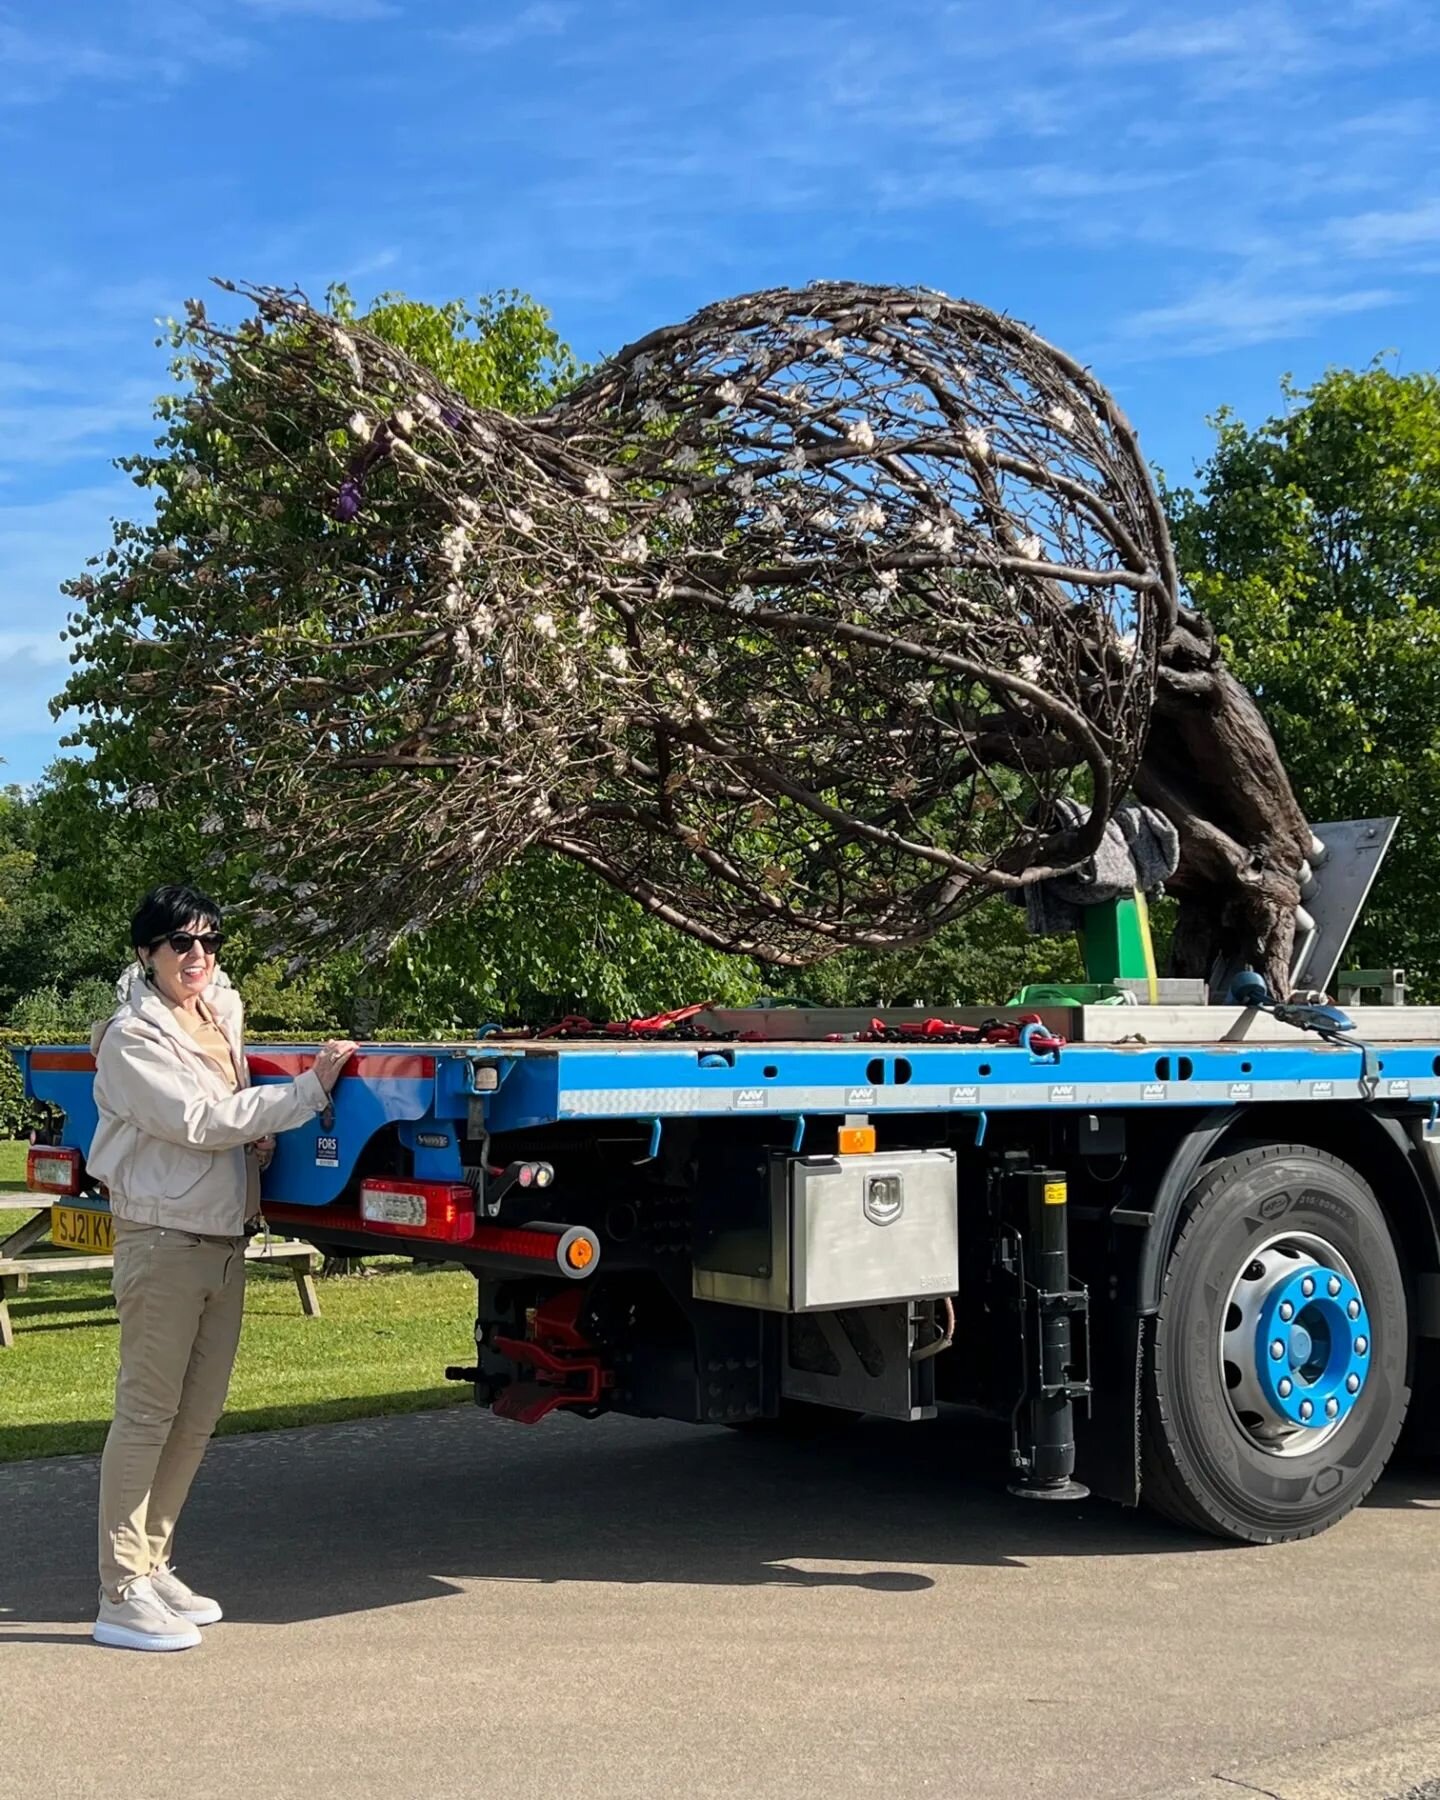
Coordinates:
[1029,666]
[681,510]
[888,578]
[403,420]
[728,394]
[686,457]
[543,624]
[859,432]
[455,547]
[1030,547]
[977,441]
[652,412]
[521,520]
[744,599]
[598,484]
[635,548]
[794,457]
[1062,417]
[743,484]
[360,427]
[868,516]
[345,344]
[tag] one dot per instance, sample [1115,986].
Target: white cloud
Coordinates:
[546,18]
[63,426]
[1386,233]
[342,12]
[1224,315]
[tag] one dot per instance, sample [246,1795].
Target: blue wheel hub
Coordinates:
[1312,1346]
[1295,1344]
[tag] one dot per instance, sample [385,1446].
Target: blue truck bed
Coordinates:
[1187,1254]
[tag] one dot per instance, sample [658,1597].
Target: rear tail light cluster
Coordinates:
[52,1171]
[444,1211]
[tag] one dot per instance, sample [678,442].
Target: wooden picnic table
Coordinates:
[24,1256]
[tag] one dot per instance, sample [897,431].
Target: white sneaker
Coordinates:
[140,1620]
[184,1602]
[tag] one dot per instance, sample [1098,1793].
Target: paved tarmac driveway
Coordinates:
[447,1605]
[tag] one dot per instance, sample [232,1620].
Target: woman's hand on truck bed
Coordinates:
[332,1059]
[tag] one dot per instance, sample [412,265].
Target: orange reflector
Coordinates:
[580,1254]
[857,1140]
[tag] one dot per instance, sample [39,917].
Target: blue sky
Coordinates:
[1193,197]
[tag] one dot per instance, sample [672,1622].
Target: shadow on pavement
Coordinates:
[340,1519]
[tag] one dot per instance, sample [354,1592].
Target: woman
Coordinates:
[181,1140]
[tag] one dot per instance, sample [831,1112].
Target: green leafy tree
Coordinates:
[1313,543]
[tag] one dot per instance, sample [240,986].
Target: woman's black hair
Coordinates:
[171,908]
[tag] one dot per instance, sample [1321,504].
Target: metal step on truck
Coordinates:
[1189,1252]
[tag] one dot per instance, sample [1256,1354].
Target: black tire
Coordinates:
[1199,1466]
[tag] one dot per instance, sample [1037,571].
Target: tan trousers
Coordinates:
[180,1298]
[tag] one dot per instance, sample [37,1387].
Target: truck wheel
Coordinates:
[1275,1379]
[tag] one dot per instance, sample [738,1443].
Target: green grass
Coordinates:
[380,1346]
[12,1168]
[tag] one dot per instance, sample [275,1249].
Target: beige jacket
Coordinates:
[170,1143]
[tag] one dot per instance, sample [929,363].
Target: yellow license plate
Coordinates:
[76,1228]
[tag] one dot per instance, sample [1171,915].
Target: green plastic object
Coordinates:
[1068,993]
[1115,942]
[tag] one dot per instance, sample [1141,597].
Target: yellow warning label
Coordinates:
[1055,1193]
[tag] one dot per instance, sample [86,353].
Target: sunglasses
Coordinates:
[181,941]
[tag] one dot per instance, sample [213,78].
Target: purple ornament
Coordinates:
[347,501]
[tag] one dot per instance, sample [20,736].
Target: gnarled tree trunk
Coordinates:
[1211,766]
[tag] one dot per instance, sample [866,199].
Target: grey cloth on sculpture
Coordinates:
[1140,849]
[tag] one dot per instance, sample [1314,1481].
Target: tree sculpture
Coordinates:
[795,622]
